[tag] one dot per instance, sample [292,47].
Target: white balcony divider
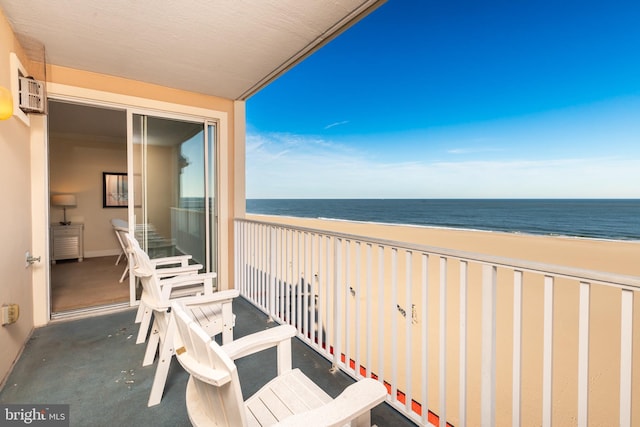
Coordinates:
[391,311]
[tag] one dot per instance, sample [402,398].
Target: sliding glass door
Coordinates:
[173,164]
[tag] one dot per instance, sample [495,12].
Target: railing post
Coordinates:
[393,302]
[298,280]
[463,343]
[237,226]
[488,363]
[517,348]
[408,324]
[347,326]
[306,280]
[358,322]
[583,354]
[272,282]
[337,307]
[626,356]
[442,410]
[381,317]
[369,309]
[547,353]
[424,331]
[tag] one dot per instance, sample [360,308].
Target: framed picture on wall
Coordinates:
[115,190]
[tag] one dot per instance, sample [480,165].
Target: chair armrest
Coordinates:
[204,373]
[216,297]
[163,273]
[183,260]
[259,341]
[356,400]
[188,280]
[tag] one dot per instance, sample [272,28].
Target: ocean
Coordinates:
[613,219]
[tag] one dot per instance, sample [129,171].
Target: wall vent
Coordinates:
[31,95]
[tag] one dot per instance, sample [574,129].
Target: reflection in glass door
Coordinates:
[173,167]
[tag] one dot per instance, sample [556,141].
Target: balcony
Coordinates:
[455,336]
[94,365]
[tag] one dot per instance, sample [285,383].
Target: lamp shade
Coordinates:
[63,200]
[6,103]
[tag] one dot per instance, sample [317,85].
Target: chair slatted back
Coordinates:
[144,269]
[120,227]
[213,374]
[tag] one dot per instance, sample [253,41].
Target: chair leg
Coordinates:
[227,323]
[140,312]
[162,370]
[363,420]
[152,346]
[119,256]
[124,274]
[145,321]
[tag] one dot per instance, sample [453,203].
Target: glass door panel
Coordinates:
[172,176]
[188,218]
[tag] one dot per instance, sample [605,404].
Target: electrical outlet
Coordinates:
[10,313]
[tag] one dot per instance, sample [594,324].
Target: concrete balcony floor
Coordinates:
[94,365]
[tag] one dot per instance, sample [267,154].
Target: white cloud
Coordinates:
[473,150]
[284,165]
[344,122]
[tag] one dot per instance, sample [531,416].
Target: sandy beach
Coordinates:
[613,256]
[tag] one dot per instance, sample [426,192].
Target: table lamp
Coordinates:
[66,201]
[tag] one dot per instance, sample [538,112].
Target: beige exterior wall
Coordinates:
[24,164]
[15,215]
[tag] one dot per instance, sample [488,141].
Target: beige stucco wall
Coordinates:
[15,215]
[23,164]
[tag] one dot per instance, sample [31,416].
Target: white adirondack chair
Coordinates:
[214,397]
[212,311]
[166,267]
[121,228]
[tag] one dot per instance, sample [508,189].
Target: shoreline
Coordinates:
[442,227]
[606,219]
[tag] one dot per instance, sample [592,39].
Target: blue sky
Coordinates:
[451,99]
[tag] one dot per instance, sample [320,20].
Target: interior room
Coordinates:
[85,142]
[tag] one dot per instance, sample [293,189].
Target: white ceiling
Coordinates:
[227,48]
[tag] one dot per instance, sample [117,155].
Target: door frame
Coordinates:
[206,123]
[40,187]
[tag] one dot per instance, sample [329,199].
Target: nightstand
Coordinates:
[67,242]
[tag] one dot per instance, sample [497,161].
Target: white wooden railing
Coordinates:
[456,337]
[188,231]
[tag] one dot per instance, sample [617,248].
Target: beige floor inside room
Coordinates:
[90,283]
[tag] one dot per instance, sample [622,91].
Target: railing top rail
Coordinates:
[584,275]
